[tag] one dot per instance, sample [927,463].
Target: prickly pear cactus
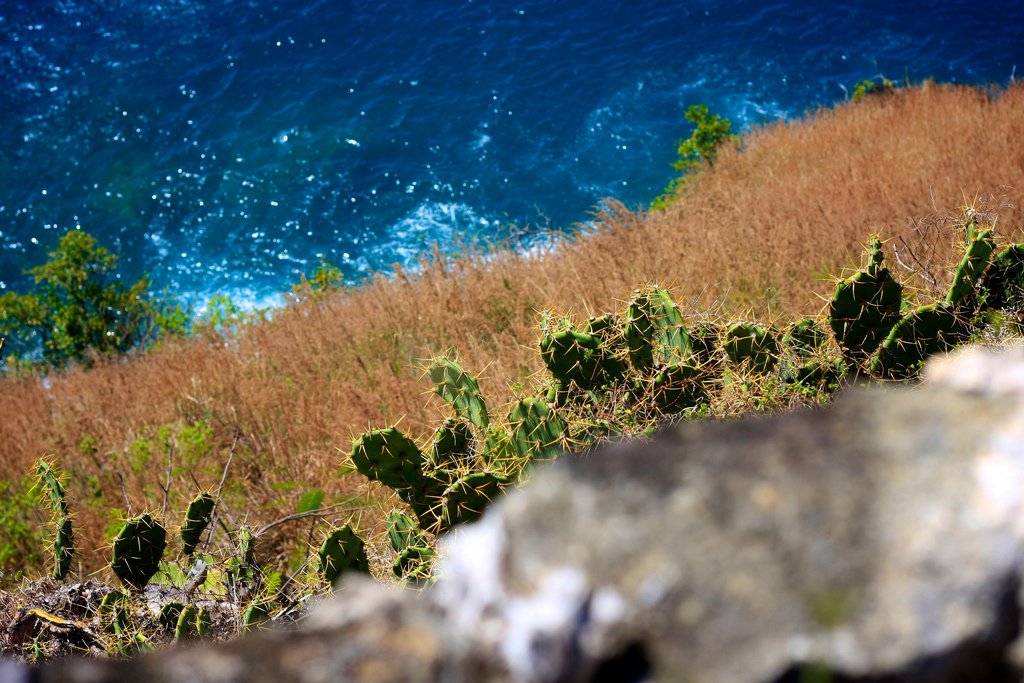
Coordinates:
[591,359]
[864,307]
[654,329]
[197,518]
[460,389]
[49,481]
[413,563]
[170,612]
[113,613]
[256,614]
[977,252]
[403,532]
[390,457]
[922,332]
[186,628]
[804,337]
[679,387]
[138,547]
[468,496]
[751,345]
[451,447]
[705,347]
[536,429]
[1003,282]
[342,551]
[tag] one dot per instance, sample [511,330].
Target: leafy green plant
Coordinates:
[869,87]
[710,133]
[326,278]
[80,306]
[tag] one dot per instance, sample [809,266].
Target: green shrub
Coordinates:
[80,306]
[711,132]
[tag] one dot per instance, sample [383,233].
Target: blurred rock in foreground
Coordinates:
[880,539]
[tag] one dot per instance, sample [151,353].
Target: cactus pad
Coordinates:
[654,329]
[342,551]
[804,337]
[197,518]
[467,498]
[413,562]
[537,430]
[388,456]
[403,531]
[49,481]
[976,256]
[678,387]
[922,332]
[864,307]
[138,547]
[452,445]
[752,345]
[1003,282]
[460,389]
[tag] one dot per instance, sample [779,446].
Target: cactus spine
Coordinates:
[49,481]
[197,518]
[138,547]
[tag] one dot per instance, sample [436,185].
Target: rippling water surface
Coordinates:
[228,145]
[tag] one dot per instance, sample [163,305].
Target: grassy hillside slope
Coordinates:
[759,234]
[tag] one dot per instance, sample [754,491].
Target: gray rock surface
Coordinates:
[879,539]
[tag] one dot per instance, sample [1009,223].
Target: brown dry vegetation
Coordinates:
[756,235]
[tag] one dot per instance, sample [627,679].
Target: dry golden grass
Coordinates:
[758,234]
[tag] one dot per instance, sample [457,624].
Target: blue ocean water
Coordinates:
[227,145]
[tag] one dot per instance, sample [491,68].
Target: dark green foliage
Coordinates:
[170,613]
[197,518]
[1003,282]
[805,337]
[537,431]
[403,532]
[977,252]
[864,307]
[452,445]
[678,387]
[460,389]
[49,481]
[922,332]
[390,457]
[138,547]
[654,329]
[413,562]
[342,551]
[751,345]
[79,305]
